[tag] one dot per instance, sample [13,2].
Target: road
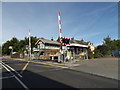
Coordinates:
[28,75]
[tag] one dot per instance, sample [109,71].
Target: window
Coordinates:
[41,46]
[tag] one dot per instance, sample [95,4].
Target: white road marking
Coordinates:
[6,68]
[6,77]
[16,78]
[21,83]
[12,69]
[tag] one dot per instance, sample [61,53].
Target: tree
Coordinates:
[18,45]
[22,46]
[108,43]
[33,41]
[15,43]
[107,48]
[5,48]
[100,51]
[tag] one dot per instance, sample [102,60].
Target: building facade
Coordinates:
[46,48]
[77,49]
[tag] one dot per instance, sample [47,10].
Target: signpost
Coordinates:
[11,47]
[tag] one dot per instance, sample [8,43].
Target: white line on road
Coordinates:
[6,68]
[12,69]
[6,77]
[21,83]
[16,78]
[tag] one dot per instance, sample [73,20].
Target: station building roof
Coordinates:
[47,41]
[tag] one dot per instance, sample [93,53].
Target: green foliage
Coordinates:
[5,48]
[100,51]
[107,48]
[15,43]
[18,45]
[97,54]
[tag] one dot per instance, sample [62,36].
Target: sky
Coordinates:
[90,21]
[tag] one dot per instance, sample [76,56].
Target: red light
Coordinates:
[58,13]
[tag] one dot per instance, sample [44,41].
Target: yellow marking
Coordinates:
[14,59]
[42,66]
[49,70]
[24,67]
[50,64]
[40,63]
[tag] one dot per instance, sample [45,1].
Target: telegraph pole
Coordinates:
[29,46]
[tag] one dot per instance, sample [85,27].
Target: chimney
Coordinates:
[82,40]
[72,39]
[52,39]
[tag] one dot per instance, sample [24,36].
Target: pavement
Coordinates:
[105,67]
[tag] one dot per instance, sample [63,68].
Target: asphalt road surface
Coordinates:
[28,75]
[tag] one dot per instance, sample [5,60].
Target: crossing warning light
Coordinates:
[65,41]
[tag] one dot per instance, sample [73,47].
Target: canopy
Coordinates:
[78,45]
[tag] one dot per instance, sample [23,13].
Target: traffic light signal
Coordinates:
[65,41]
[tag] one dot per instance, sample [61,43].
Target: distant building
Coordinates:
[46,48]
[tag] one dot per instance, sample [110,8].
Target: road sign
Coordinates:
[10,47]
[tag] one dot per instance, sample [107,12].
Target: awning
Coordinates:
[77,45]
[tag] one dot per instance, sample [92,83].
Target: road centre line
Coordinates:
[12,70]
[16,78]
[24,67]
